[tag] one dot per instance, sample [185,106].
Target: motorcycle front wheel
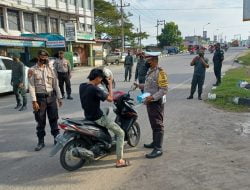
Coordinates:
[134,135]
[68,160]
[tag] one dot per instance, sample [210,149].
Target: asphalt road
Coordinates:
[202,149]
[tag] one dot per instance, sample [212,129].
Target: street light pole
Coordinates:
[203,29]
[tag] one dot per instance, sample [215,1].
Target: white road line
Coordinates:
[3,107]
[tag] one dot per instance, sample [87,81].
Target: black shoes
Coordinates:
[39,146]
[69,98]
[154,154]
[151,145]
[190,97]
[23,108]
[18,106]
[199,98]
[63,97]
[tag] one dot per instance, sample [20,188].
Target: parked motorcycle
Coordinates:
[84,141]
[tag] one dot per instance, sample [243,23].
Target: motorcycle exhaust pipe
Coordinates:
[83,153]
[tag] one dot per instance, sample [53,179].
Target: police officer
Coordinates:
[128,64]
[45,94]
[17,81]
[63,69]
[157,85]
[218,59]
[141,70]
[200,64]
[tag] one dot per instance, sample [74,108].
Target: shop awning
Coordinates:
[20,41]
[53,40]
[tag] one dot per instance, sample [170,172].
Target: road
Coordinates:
[202,149]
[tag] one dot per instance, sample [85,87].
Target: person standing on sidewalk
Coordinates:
[63,69]
[141,70]
[46,96]
[17,81]
[128,65]
[157,85]
[218,59]
[200,64]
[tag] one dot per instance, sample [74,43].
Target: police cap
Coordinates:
[43,52]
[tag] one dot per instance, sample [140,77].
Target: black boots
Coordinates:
[18,106]
[40,144]
[199,97]
[23,108]
[69,97]
[190,97]
[158,140]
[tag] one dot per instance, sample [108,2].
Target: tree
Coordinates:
[170,36]
[108,24]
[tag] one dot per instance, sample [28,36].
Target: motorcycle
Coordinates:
[84,141]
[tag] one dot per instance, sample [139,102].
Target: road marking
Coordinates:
[2,107]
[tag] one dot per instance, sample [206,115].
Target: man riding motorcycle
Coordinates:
[90,96]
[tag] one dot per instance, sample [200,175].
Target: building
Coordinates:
[193,41]
[22,17]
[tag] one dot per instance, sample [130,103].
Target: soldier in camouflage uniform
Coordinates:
[45,94]
[218,59]
[17,81]
[157,85]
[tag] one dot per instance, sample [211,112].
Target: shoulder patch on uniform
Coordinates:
[162,79]
[30,72]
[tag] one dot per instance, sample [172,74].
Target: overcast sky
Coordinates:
[225,17]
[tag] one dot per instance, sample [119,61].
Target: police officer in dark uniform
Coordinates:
[141,70]
[46,96]
[17,81]
[128,65]
[157,85]
[200,64]
[218,59]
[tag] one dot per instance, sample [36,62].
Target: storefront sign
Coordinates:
[20,43]
[84,36]
[55,44]
[70,31]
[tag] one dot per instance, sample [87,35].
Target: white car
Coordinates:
[5,74]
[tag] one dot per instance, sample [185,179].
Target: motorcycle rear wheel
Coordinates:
[66,155]
[134,135]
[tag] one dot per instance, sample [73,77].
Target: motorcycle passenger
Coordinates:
[91,96]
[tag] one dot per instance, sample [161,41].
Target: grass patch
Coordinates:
[245,59]
[229,89]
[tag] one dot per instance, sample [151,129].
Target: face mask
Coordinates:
[44,61]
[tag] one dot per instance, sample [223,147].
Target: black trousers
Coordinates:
[197,80]
[64,78]
[48,105]
[156,113]
[20,92]
[217,72]
[128,71]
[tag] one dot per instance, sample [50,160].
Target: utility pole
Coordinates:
[140,33]
[159,22]
[122,23]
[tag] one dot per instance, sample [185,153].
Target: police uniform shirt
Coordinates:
[43,80]
[62,66]
[218,56]
[156,83]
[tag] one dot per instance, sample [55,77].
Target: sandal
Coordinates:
[125,164]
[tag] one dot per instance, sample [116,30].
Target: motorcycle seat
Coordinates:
[80,121]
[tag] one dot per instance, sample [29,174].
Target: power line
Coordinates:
[186,9]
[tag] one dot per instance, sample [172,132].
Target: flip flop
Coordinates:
[125,164]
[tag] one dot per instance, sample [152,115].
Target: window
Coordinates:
[1,18]
[72,2]
[54,25]
[89,28]
[42,24]
[81,3]
[88,6]
[62,25]
[29,22]
[13,20]
[7,63]
[64,1]
[82,26]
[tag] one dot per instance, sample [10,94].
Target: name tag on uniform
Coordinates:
[164,99]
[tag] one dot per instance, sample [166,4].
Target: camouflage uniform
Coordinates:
[157,85]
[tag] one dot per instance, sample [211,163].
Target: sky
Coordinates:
[225,17]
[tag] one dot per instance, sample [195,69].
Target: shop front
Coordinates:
[22,45]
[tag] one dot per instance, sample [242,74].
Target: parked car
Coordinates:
[5,74]
[115,57]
